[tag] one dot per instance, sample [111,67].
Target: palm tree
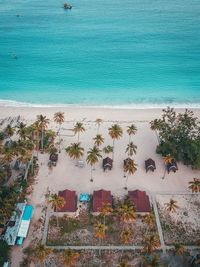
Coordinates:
[155,125]
[195,185]
[126,235]
[98,140]
[105,210]
[78,128]
[151,243]
[172,205]
[40,253]
[149,219]
[75,151]
[167,160]
[115,132]
[56,202]
[124,264]
[131,149]
[43,124]
[100,231]
[35,129]
[131,131]
[9,131]
[22,131]
[93,157]
[69,257]
[98,123]
[153,261]
[108,149]
[59,118]
[126,211]
[179,249]
[129,168]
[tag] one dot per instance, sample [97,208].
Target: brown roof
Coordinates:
[150,164]
[101,197]
[53,157]
[70,198]
[140,200]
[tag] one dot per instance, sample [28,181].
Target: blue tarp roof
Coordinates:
[84,197]
[27,213]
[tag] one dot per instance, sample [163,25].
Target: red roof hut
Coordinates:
[101,197]
[70,198]
[141,200]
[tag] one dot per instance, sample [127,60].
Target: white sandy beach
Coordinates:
[67,176]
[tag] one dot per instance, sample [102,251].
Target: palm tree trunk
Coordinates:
[164,173]
[126,182]
[78,136]
[91,180]
[113,149]
[42,139]
[157,136]
[59,136]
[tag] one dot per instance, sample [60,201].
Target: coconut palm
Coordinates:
[105,210]
[126,235]
[194,185]
[78,128]
[40,253]
[153,261]
[98,123]
[131,149]
[35,129]
[126,211]
[22,131]
[149,219]
[9,131]
[167,160]
[179,249]
[155,125]
[131,131]
[43,124]
[98,140]
[69,257]
[7,155]
[129,168]
[56,202]
[108,149]
[171,206]
[115,132]
[59,118]
[93,157]
[100,231]
[75,151]
[151,243]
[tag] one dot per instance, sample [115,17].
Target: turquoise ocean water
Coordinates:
[144,52]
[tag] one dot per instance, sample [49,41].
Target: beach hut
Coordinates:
[101,197]
[70,198]
[150,165]
[107,163]
[140,200]
[53,158]
[172,166]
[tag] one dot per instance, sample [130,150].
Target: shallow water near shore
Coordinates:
[100,53]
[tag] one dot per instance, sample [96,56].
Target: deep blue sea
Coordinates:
[131,52]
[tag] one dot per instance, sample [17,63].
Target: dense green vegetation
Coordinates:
[4,252]
[179,136]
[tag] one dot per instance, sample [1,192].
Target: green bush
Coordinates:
[4,252]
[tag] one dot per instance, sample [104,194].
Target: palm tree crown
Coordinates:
[59,117]
[69,257]
[115,131]
[93,155]
[98,140]
[131,149]
[100,230]
[40,253]
[56,201]
[195,185]
[172,205]
[151,243]
[75,151]
[132,130]
[78,128]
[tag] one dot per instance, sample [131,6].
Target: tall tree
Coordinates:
[75,151]
[151,243]
[126,211]
[98,140]
[98,123]
[194,185]
[172,205]
[69,257]
[106,210]
[131,149]
[126,235]
[132,130]
[93,157]
[59,118]
[40,253]
[108,149]
[167,160]
[129,168]
[115,132]
[78,128]
[56,202]
[43,124]
[9,131]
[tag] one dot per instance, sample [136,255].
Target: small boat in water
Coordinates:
[67,6]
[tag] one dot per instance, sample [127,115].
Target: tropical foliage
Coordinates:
[179,135]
